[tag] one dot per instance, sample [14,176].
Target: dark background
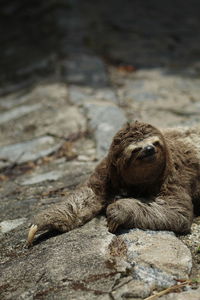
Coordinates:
[35,36]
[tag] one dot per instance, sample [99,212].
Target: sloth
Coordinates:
[150,179]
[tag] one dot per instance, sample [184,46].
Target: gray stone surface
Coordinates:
[60,267]
[157,259]
[18,112]
[90,262]
[104,120]
[68,120]
[52,176]
[79,95]
[7,225]
[188,295]
[29,150]
[159,249]
[131,290]
[151,95]
[10,102]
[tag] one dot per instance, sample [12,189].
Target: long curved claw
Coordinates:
[31,234]
[112,226]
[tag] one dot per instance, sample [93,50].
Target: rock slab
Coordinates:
[104,120]
[29,150]
[91,263]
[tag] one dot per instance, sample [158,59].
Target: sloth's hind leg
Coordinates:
[78,208]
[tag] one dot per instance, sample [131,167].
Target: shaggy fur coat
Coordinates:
[150,179]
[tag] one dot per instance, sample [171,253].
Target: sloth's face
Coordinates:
[145,160]
[138,154]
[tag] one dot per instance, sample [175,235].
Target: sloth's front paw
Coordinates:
[114,217]
[54,218]
[42,221]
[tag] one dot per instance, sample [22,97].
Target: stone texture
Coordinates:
[52,176]
[159,250]
[131,290]
[59,267]
[104,120]
[68,120]
[79,95]
[29,150]
[56,92]
[18,112]
[90,263]
[188,295]
[12,101]
[157,259]
[55,116]
[150,96]
[7,225]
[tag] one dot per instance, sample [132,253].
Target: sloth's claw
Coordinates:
[112,226]
[31,234]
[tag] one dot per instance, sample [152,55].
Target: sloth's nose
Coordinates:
[149,149]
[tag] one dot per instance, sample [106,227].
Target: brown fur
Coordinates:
[155,192]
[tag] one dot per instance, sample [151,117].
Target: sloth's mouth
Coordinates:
[147,155]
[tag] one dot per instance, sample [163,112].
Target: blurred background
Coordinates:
[37,35]
[156,45]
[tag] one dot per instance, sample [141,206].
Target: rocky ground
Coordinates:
[72,72]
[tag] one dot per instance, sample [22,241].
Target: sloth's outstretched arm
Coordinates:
[173,212]
[78,208]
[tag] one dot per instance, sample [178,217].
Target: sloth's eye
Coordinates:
[136,150]
[156,143]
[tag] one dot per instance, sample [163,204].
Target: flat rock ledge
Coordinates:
[91,263]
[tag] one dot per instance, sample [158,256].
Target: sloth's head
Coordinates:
[138,154]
